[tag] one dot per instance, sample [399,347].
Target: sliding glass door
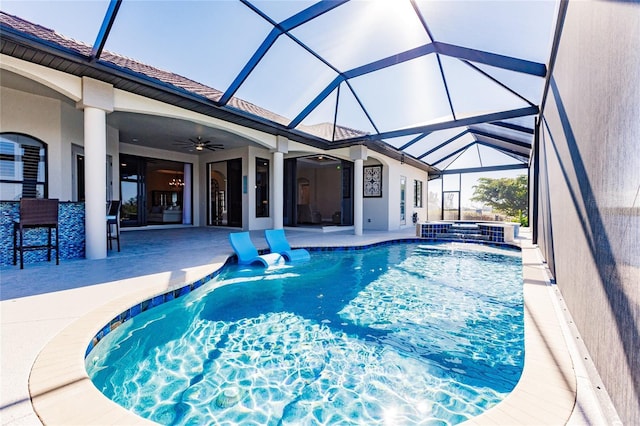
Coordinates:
[132,190]
[225,189]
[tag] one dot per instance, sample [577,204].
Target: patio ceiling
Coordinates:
[455,85]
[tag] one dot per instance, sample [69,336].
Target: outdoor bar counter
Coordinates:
[70,225]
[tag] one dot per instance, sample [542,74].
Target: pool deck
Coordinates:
[50,313]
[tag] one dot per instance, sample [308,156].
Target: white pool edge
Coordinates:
[62,392]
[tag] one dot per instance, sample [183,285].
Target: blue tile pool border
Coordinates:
[152,302]
[170,295]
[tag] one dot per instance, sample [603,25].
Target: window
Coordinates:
[417,193]
[262,187]
[22,167]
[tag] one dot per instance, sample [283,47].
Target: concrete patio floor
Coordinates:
[42,306]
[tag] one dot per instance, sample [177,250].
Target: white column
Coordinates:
[97,101]
[95,153]
[358,154]
[282,147]
[357,196]
[278,188]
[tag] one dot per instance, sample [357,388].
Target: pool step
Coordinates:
[468,231]
[465,232]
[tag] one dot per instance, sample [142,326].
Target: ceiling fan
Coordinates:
[200,145]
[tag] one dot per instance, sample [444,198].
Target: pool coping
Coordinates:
[62,393]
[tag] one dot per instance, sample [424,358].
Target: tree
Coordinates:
[505,195]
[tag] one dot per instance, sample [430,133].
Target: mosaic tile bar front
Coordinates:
[70,225]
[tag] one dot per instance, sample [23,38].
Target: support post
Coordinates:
[95,152]
[358,154]
[534,183]
[97,100]
[358,170]
[278,181]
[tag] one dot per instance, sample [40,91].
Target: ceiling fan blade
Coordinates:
[198,144]
[199,140]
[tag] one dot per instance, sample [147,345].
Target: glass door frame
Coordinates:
[444,211]
[346,210]
[231,197]
[78,186]
[139,180]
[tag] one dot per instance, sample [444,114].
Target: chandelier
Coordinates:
[176,181]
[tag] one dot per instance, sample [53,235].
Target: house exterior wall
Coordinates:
[39,117]
[383,214]
[375,210]
[396,170]
[59,125]
[72,128]
[57,122]
[589,202]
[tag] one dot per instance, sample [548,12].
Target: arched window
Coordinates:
[23,172]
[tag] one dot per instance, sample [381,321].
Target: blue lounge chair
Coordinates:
[278,244]
[247,252]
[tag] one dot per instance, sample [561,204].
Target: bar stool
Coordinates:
[113,211]
[36,213]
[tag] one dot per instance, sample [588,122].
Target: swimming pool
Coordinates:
[400,334]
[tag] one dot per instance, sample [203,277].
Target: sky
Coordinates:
[210,41]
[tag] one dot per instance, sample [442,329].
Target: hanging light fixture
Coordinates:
[176,182]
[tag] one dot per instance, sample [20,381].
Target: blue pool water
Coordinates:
[403,334]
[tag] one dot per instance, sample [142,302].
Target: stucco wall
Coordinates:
[375,210]
[589,203]
[39,117]
[72,132]
[384,213]
[59,125]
